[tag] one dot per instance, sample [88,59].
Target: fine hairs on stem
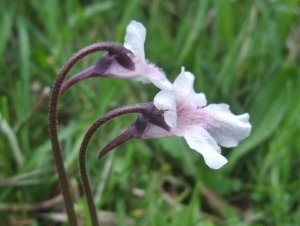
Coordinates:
[148,113]
[53,123]
[137,108]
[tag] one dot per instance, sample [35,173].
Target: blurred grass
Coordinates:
[245,53]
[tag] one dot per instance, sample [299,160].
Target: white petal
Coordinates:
[165,100]
[201,141]
[157,77]
[135,38]
[226,128]
[183,86]
[198,99]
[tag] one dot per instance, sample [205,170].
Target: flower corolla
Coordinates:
[144,71]
[203,127]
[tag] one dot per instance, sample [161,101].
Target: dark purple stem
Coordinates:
[53,126]
[137,108]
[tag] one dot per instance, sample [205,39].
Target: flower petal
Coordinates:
[165,100]
[198,99]
[157,77]
[226,128]
[135,39]
[183,86]
[201,141]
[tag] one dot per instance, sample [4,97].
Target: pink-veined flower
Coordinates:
[124,62]
[144,71]
[203,127]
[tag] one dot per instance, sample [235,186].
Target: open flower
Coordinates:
[144,71]
[202,127]
[125,62]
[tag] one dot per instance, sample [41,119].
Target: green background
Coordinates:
[244,53]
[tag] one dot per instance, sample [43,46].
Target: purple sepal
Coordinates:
[152,115]
[118,53]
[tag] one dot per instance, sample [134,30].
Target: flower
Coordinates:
[119,61]
[144,71]
[202,127]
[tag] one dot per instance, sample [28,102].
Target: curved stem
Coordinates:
[53,125]
[137,108]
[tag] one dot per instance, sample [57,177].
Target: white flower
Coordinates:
[144,71]
[202,127]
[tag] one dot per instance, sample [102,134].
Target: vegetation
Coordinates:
[244,53]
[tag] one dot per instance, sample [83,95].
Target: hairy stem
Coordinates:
[53,125]
[137,108]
